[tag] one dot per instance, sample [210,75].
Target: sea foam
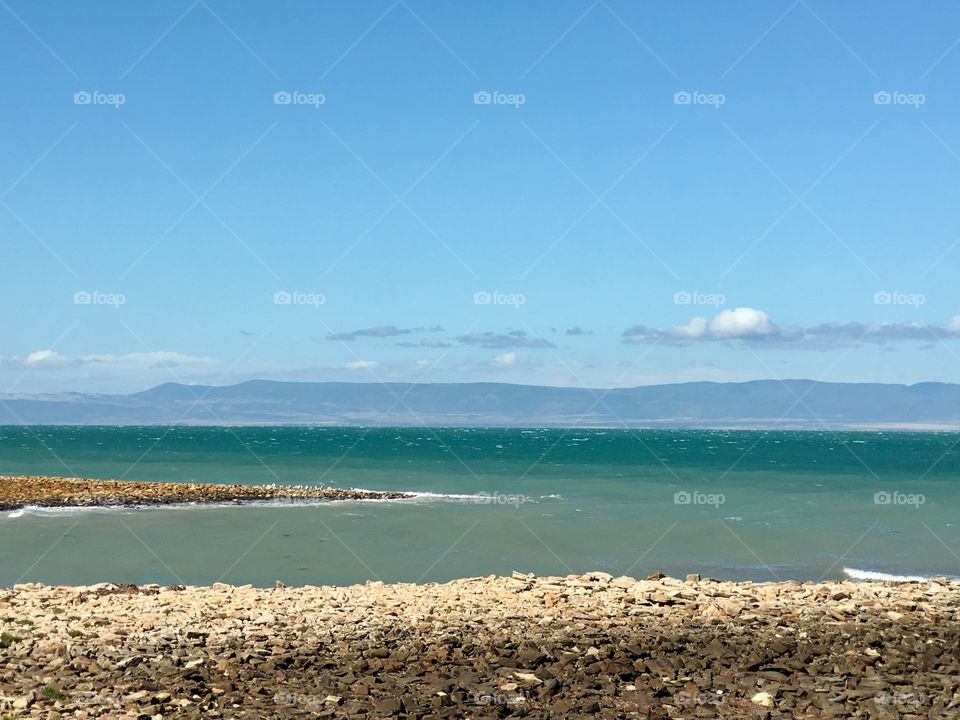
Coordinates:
[856,574]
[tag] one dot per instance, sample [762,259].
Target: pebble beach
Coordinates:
[542,647]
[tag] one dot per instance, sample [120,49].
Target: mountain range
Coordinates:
[759,403]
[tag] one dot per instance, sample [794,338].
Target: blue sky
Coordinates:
[785,171]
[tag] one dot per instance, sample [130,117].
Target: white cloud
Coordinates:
[507,358]
[362,364]
[694,329]
[740,322]
[159,359]
[736,323]
[755,327]
[48,358]
[45,370]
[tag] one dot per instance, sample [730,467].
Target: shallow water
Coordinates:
[731,504]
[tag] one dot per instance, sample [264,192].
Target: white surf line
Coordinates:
[877,576]
[282,502]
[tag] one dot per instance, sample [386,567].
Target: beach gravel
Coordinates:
[540,647]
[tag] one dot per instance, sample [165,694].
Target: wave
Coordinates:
[429,496]
[484,498]
[43,511]
[874,575]
[481,498]
[66,511]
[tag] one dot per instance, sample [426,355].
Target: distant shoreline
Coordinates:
[20,491]
[756,404]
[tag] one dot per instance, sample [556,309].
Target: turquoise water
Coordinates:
[729,504]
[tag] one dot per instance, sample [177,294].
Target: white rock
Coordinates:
[763,699]
[527,678]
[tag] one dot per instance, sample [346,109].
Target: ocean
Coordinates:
[729,504]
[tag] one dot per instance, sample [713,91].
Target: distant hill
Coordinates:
[760,403]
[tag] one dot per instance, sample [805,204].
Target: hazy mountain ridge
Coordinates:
[759,403]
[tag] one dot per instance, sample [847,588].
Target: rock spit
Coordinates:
[17,491]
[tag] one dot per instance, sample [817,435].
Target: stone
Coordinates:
[527,678]
[764,699]
[390,706]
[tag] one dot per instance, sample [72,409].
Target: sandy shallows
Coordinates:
[17,491]
[577,646]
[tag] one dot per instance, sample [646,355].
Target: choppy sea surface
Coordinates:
[727,504]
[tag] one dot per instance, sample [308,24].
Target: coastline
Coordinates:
[19,491]
[539,646]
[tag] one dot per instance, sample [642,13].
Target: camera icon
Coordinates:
[682,498]
[882,97]
[682,298]
[682,98]
[882,297]
[482,298]
[282,97]
[482,97]
[882,498]
[82,297]
[82,98]
[282,297]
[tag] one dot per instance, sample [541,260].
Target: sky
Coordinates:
[599,193]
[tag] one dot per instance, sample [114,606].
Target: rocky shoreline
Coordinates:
[550,647]
[17,491]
